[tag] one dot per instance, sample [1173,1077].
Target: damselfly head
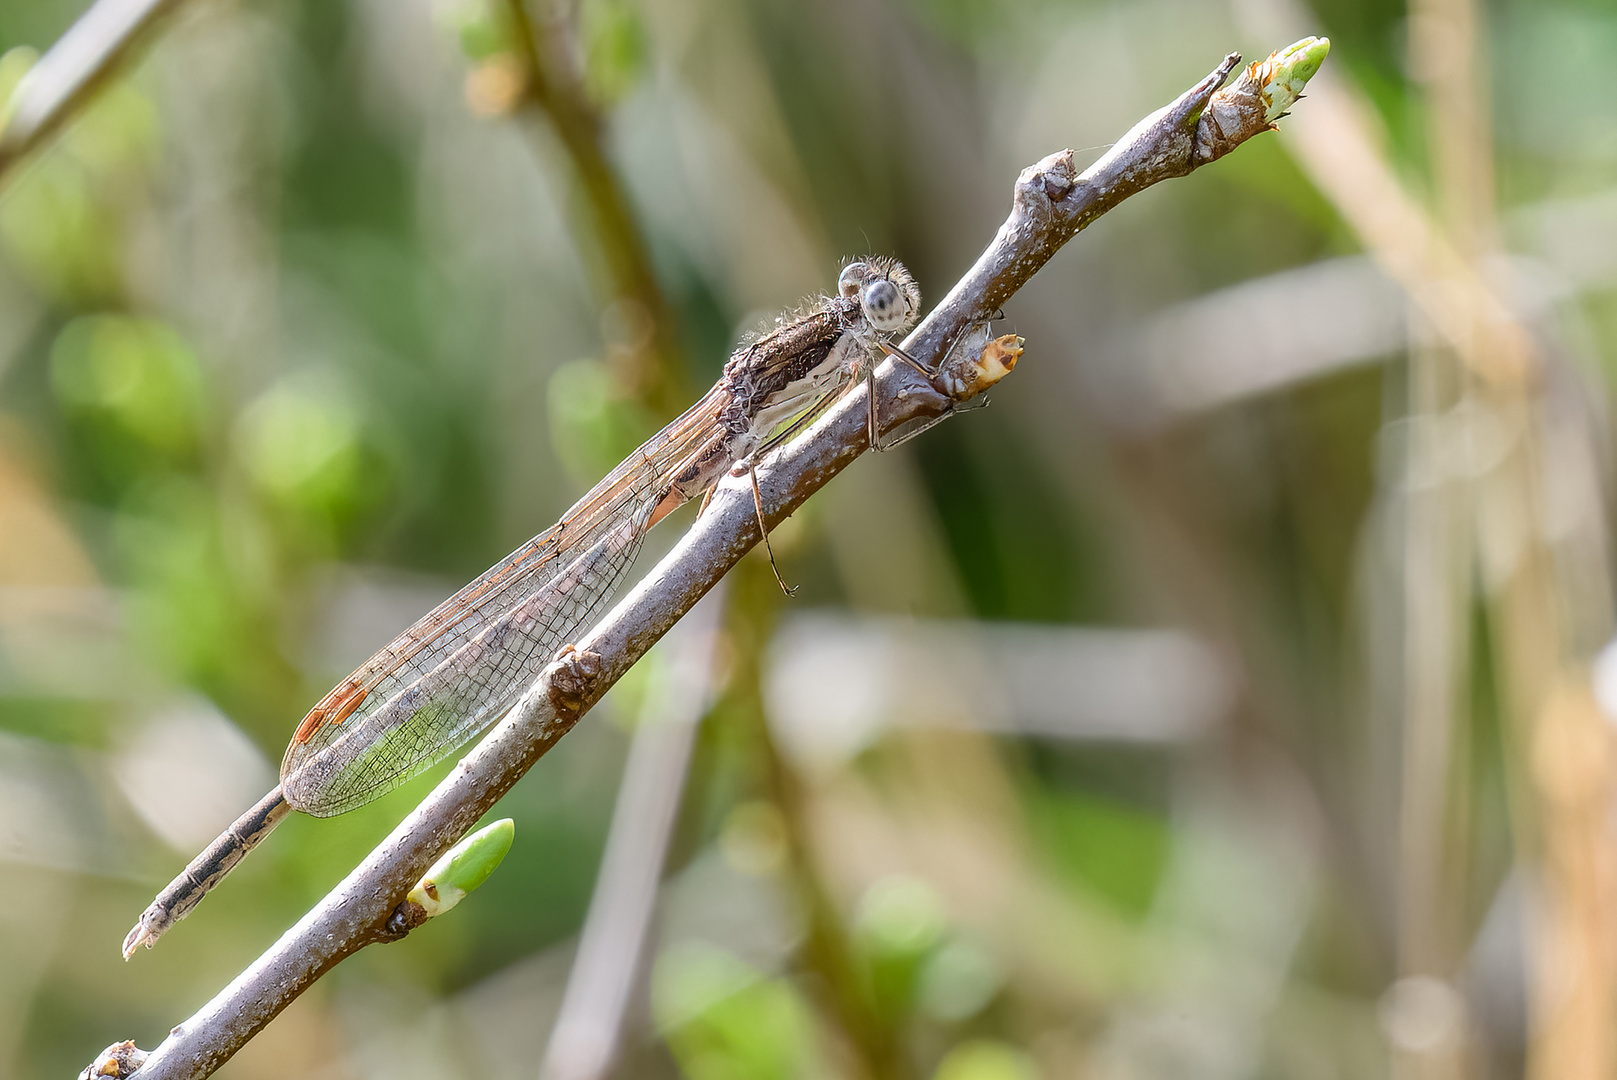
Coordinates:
[887,293]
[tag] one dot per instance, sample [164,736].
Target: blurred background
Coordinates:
[1224,701]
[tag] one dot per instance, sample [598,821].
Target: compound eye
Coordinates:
[852,276]
[884,305]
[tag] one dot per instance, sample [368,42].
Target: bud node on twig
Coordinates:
[571,677]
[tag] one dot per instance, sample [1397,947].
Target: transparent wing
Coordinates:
[470,688]
[462,664]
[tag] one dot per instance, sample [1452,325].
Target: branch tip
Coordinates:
[1260,96]
[116,1061]
[977,363]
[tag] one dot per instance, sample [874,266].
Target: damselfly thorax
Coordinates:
[780,381]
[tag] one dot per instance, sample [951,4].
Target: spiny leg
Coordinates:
[758,505]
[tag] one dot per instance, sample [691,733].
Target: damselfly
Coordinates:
[466,662]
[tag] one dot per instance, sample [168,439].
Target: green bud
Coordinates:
[463,868]
[1289,71]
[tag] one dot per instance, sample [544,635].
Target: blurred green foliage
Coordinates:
[1118,851]
[133,389]
[724,1020]
[616,53]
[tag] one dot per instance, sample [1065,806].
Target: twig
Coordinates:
[70,73]
[1051,203]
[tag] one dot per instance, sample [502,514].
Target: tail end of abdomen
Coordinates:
[205,871]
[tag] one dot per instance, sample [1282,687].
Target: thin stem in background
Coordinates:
[1438,548]
[553,93]
[826,954]
[73,71]
[585,1043]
